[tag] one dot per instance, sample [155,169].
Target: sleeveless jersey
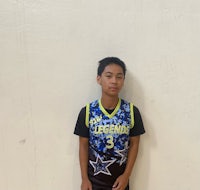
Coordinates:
[108,141]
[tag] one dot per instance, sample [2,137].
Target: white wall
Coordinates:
[48,59]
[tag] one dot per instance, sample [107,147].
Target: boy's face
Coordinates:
[111,80]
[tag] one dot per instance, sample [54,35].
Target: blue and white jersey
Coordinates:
[108,140]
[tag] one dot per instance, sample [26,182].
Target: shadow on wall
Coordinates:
[134,92]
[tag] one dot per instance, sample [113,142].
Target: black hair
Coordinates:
[110,60]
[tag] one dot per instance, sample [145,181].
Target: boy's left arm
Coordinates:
[122,180]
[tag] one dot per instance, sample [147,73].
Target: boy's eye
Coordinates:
[119,76]
[108,76]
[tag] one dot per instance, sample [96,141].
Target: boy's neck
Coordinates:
[109,102]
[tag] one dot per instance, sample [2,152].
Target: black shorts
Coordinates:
[94,187]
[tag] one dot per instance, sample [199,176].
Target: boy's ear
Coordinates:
[98,79]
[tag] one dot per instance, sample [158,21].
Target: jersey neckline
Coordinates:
[115,110]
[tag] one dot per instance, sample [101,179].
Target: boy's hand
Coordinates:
[120,183]
[86,185]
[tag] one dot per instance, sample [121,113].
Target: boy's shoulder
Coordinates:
[92,103]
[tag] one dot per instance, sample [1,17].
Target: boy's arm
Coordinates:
[83,159]
[132,154]
[122,181]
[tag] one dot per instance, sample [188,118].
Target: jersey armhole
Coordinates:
[87,115]
[132,115]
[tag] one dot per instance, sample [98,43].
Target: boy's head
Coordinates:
[110,60]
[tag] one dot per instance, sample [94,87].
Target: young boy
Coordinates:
[109,130]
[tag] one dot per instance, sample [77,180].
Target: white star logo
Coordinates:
[123,153]
[101,166]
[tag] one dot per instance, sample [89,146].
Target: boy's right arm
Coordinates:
[83,158]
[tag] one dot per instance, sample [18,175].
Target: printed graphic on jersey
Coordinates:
[123,153]
[101,166]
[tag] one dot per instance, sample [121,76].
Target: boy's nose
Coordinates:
[114,80]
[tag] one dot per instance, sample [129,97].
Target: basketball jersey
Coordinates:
[108,141]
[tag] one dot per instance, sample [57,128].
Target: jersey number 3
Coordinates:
[110,143]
